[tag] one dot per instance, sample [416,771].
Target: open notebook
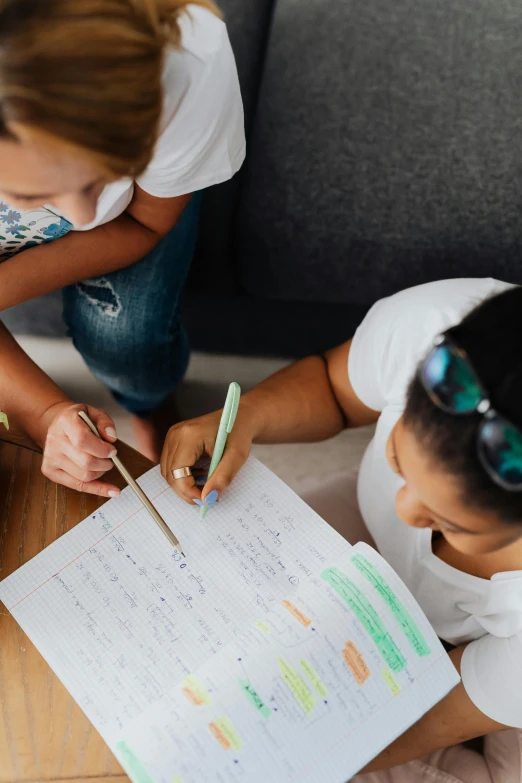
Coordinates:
[274,652]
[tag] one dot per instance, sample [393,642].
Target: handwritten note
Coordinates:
[121,616]
[303,703]
[274,651]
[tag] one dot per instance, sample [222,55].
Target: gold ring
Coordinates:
[181,473]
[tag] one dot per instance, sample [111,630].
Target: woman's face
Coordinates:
[431,498]
[34,173]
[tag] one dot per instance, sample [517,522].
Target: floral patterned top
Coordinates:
[21,229]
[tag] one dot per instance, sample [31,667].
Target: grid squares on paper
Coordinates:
[343,741]
[116,657]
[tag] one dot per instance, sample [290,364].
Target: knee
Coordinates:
[101,319]
[136,348]
[99,297]
[90,308]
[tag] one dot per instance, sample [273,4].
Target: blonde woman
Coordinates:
[114,115]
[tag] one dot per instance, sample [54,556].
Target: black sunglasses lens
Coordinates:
[500,451]
[450,380]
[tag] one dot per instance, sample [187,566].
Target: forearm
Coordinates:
[453,720]
[296,404]
[77,256]
[26,393]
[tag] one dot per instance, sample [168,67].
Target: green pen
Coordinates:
[228,418]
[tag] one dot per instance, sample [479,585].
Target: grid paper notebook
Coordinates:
[274,651]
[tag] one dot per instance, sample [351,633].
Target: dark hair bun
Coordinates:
[491,334]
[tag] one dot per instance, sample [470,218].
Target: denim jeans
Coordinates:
[127,326]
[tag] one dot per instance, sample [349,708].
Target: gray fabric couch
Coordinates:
[385,150]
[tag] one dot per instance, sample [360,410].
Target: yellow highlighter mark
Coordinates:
[314,678]
[194,691]
[299,616]
[176,779]
[297,686]
[390,681]
[355,662]
[226,735]
[262,626]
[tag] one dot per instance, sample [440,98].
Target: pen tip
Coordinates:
[203,512]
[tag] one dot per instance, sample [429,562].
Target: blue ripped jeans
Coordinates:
[127,325]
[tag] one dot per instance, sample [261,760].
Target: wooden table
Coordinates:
[44,736]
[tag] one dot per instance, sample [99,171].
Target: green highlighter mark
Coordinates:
[255,699]
[367,616]
[132,764]
[403,617]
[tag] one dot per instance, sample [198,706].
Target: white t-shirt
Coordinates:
[202,136]
[395,335]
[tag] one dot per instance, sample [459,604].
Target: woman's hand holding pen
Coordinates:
[72,455]
[191,443]
[296,405]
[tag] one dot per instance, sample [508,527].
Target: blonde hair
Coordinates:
[88,73]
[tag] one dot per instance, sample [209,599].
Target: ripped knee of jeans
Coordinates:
[100,293]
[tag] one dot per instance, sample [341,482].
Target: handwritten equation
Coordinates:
[121,616]
[304,694]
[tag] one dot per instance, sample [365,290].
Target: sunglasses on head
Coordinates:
[452,384]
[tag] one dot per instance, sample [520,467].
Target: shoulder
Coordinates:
[201,71]
[421,312]
[398,331]
[491,671]
[203,34]
[201,139]
[444,302]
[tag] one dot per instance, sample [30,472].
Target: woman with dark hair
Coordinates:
[438,370]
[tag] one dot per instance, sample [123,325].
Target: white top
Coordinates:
[202,136]
[393,338]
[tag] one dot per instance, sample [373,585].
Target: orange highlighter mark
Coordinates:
[356,663]
[226,735]
[194,691]
[220,736]
[194,698]
[299,616]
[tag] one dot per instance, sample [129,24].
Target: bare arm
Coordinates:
[83,254]
[26,392]
[73,456]
[454,719]
[308,401]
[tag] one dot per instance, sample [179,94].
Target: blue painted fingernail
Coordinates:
[212,497]
[198,502]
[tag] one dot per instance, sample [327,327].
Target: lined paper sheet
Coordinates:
[121,617]
[312,691]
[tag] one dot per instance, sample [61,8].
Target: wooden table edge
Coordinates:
[22,668]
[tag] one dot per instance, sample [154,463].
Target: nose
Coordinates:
[410,510]
[80,209]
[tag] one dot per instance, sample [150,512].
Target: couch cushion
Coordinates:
[41,317]
[387,149]
[248,25]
